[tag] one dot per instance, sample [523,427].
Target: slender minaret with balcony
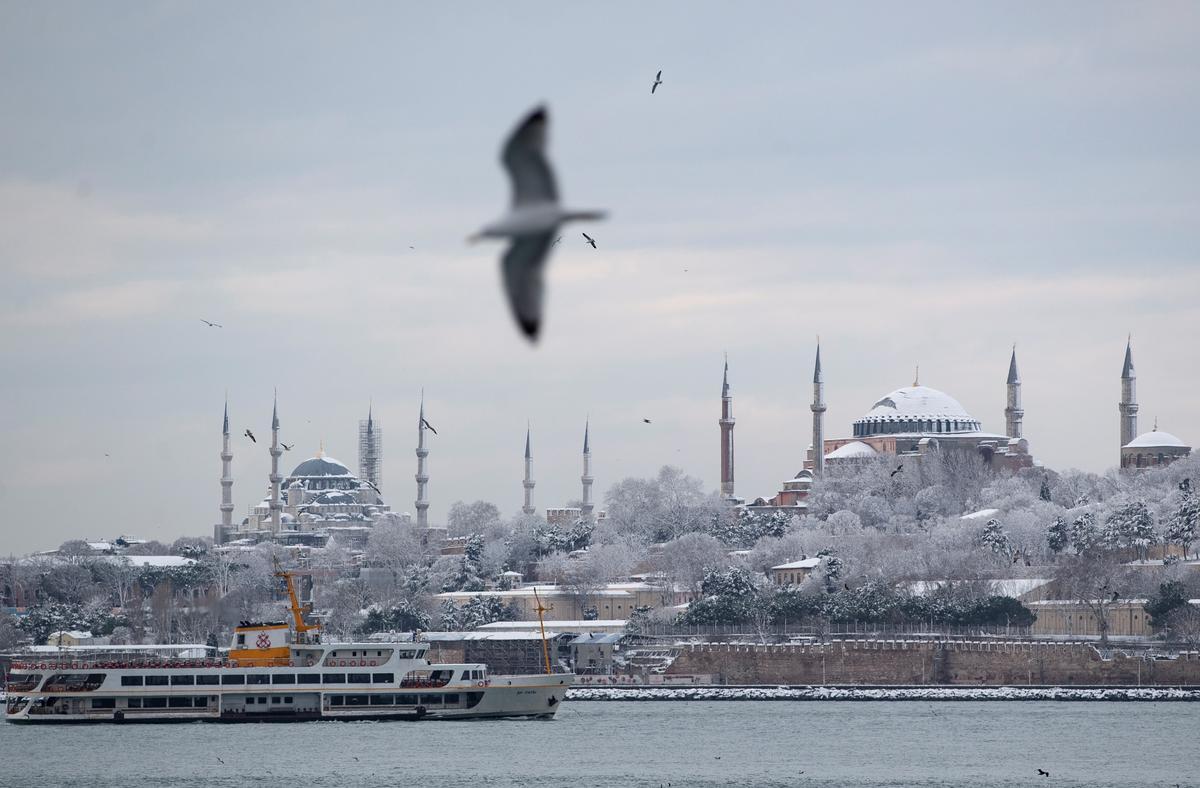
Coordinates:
[1128,406]
[422,502]
[818,412]
[586,507]
[1014,414]
[528,483]
[276,453]
[226,482]
[726,421]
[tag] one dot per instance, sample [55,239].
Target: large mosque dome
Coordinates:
[1156,440]
[320,466]
[916,409]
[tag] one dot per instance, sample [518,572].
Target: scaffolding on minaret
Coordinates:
[370,450]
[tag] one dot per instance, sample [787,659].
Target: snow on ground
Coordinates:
[883,693]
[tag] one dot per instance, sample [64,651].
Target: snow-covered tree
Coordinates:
[1184,523]
[1058,535]
[1130,526]
[994,538]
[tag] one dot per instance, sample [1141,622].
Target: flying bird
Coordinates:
[211,324]
[590,239]
[532,221]
[250,435]
[556,240]
[1043,773]
[428,426]
[646,420]
[285,446]
[899,468]
[219,759]
[657,82]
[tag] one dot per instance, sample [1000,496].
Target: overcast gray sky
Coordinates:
[919,183]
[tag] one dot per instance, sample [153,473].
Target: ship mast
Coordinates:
[541,610]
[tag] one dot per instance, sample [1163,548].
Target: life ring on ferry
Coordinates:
[341,663]
[373,663]
[308,662]
[291,664]
[479,684]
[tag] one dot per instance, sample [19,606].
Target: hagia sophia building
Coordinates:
[912,422]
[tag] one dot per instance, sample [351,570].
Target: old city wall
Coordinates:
[956,663]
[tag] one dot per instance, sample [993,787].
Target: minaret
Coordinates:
[422,503]
[528,483]
[276,453]
[1128,406]
[226,482]
[585,509]
[370,449]
[726,421]
[818,411]
[1013,413]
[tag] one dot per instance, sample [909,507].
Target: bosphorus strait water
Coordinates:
[645,744]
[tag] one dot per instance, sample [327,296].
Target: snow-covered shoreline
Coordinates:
[886,693]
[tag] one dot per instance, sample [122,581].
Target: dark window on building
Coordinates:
[283,678]
[214,679]
[359,678]
[336,700]
[308,678]
[381,700]
[200,701]
[334,678]
[154,703]
[249,701]
[104,703]
[241,639]
[133,703]
[287,698]
[233,679]
[156,681]
[179,703]
[383,678]
[276,699]
[131,681]
[258,678]
[183,680]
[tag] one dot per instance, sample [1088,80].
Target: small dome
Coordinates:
[1156,440]
[854,450]
[321,466]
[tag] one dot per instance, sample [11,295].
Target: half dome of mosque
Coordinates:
[916,409]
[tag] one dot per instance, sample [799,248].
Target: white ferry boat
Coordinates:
[275,672]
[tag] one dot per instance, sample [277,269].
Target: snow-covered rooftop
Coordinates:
[1156,440]
[981,514]
[918,402]
[600,624]
[159,561]
[850,451]
[803,563]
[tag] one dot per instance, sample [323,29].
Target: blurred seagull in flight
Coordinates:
[211,324]
[590,239]
[657,81]
[250,435]
[285,446]
[428,426]
[533,220]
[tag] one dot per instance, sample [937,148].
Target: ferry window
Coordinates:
[104,703]
[262,701]
[356,700]
[200,702]
[381,700]
[236,679]
[249,701]
[309,678]
[383,678]
[406,654]
[208,679]
[334,678]
[359,678]
[131,681]
[336,700]
[156,681]
[431,700]
[283,678]
[276,699]
[451,699]
[179,703]
[258,678]
[133,703]
[379,653]
[287,698]
[406,700]
[241,640]
[154,703]
[354,654]
[183,680]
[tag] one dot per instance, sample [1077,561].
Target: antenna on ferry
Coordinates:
[541,610]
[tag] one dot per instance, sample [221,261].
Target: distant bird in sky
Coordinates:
[285,446]
[219,759]
[899,468]
[1043,773]
[106,454]
[532,221]
[211,324]
[556,240]
[250,435]
[646,420]
[590,239]
[657,82]
[428,426]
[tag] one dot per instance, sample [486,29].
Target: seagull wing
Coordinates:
[523,265]
[524,157]
[658,76]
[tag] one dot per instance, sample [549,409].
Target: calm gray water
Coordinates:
[647,744]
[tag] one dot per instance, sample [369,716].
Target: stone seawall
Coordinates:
[965,663]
